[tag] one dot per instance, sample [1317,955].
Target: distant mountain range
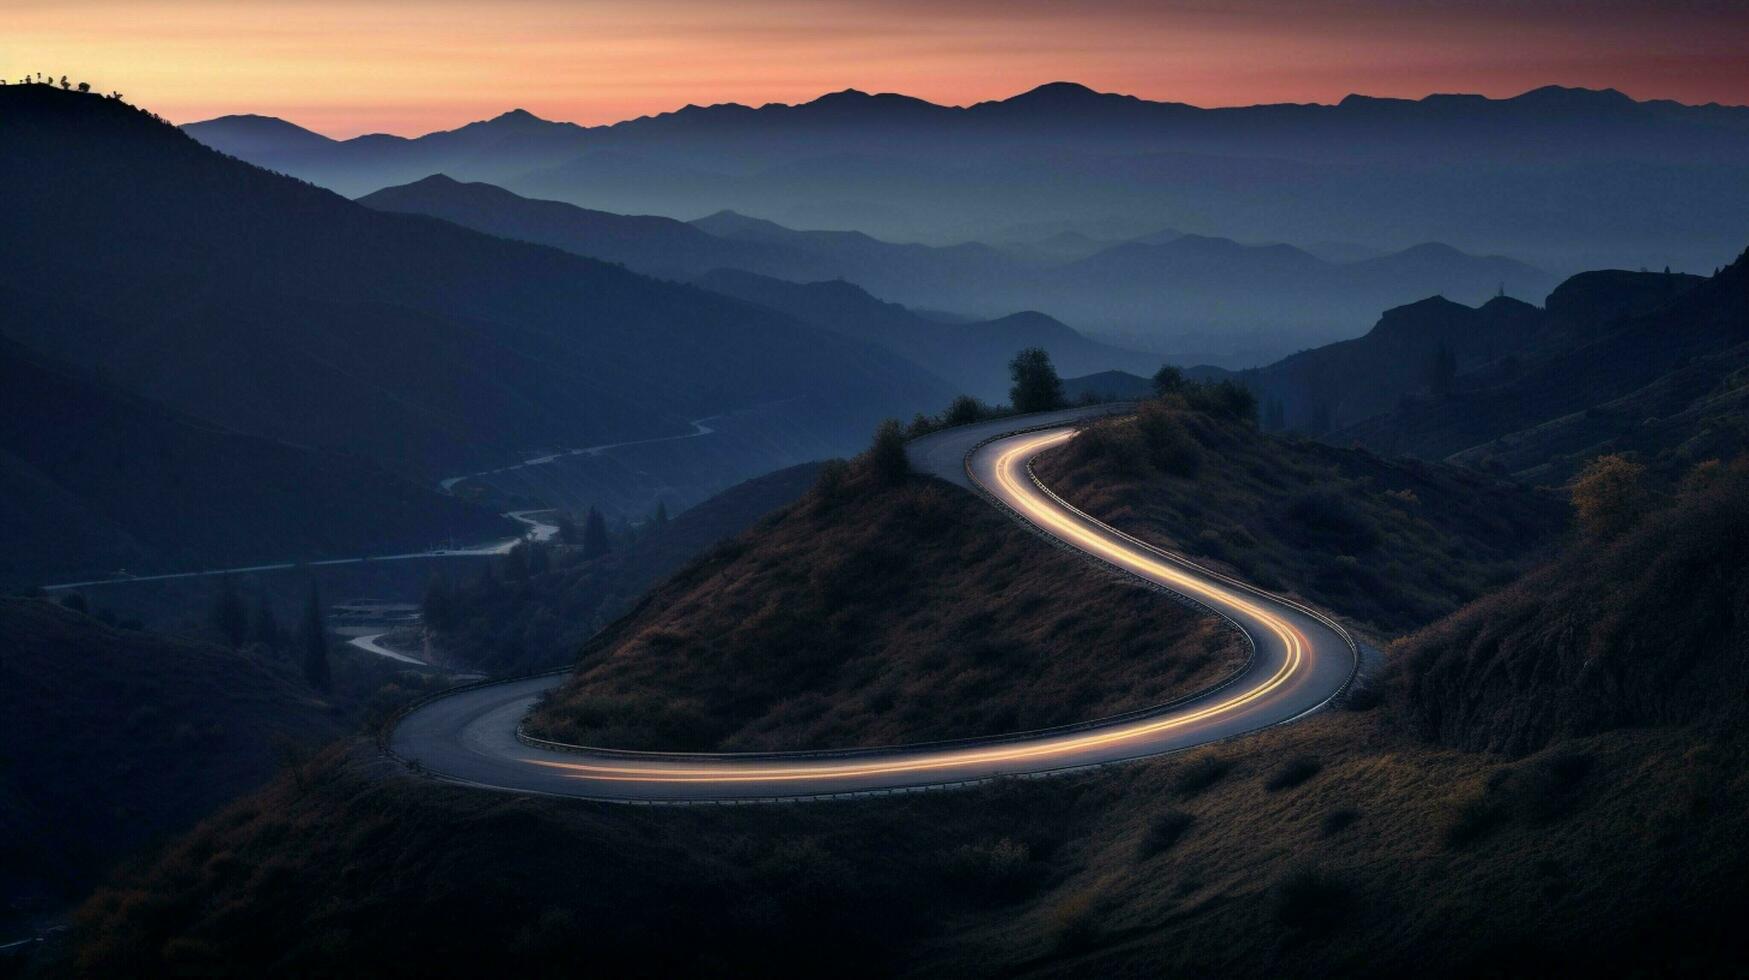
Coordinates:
[1565,178]
[1154,290]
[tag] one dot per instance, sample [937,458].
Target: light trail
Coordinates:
[1042,511]
[1300,661]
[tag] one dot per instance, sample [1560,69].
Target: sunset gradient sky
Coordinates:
[345,67]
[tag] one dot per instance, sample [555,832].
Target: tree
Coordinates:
[964,409]
[595,543]
[1036,385]
[568,533]
[886,457]
[313,641]
[659,519]
[1168,380]
[1609,496]
[64,84]
[85,86]
[228,617]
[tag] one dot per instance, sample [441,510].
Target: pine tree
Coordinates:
[313,638]
[595,543]
[659,519]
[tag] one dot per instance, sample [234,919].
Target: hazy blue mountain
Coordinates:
[272,307]
[644,243]
[972,356]
[1636,182]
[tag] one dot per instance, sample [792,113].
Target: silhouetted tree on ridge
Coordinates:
[1037,388]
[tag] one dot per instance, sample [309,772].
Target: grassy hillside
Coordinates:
[111,739]
[1346,844]
[1643,629]
[519,623]
[1217,864]
[870,614]
[1392,544]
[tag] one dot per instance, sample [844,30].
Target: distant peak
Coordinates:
[516,115]
[436,180]
[1058,90]
[1564,95]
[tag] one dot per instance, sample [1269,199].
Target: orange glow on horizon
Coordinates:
[345,67]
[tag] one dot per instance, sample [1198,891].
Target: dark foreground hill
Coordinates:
[1645,629]
[97,480]
[1345,844]
[114,738]
[272,307]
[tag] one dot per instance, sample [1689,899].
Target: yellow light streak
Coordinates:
[1014,488]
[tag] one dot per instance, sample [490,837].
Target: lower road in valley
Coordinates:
[1301,661]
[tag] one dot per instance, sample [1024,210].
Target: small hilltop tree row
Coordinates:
[40,79]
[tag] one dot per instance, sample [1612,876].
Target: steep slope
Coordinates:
[234,294]
[1619,350]
[1644,630]
[114,738]
[96,480]
[869,614]
[973,356]
[541,622]
[1387,544]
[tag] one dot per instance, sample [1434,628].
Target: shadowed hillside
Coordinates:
[96,480]
[1391,544]
[111,739]
[869,615]
[233,293]
[1646,629]
[1646,362]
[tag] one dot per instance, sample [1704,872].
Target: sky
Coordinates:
[345,67]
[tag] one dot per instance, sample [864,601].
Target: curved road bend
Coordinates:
[1302,661]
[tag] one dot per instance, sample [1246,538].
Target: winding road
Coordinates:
[1301,661]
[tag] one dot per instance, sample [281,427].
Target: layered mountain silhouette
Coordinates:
[1156,289]
[973,355]
[1614,361]
[1566,178]
[271,307]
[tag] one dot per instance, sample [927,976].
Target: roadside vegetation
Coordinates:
[1389,544]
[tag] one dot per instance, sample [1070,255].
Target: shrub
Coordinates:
[1202,772]
[1336,821]
[1609,496]
[994,870]
[886,458]
[1165,830]
[1311,899]
[1294,772]
[965,409]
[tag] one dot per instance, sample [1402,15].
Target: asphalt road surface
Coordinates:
[1302,661]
